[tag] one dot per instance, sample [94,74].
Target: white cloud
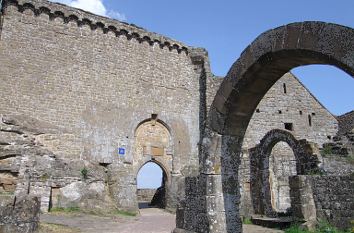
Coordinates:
[116,15]
[93,6]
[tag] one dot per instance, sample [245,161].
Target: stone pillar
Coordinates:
[302,200]
[230,161]
[203,207]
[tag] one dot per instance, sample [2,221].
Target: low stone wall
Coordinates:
[328,198]
[20,216]
[145,195]
[345,123]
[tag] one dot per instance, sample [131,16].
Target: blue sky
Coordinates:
[149,176]
[226,27]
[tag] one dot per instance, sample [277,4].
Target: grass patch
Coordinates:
[326,150]
[7,193]
[350,159]
[96,212]
[322,227]
[73,209]
[246,221]
[56,228]
[124,213]
[295,229]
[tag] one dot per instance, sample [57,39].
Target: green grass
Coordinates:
[124,213]
[322,227]
[350,159]
[295,229]
[7,193]
[326,150]
[73,209]
[56,228]
[246,221]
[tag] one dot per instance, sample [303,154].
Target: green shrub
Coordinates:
[326,150]
[84,173]
[325,227]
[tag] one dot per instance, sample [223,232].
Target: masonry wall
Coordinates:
[329,198]
[98,79]
[295,106]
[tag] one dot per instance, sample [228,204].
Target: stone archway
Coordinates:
[306,162]
[158,197]
[153,143]
[262,63]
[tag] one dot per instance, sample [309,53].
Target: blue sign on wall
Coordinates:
[121,151]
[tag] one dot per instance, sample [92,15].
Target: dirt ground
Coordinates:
[151,220]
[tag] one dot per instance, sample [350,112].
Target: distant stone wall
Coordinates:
[288,101]
[335,165]
[346,123]
[20,216]
[329,198]
[145,195]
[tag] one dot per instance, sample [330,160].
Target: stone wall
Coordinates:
[346,123]
[145,195]
[19,215]
[334,165]
[97,80]
[328,198]
[288,101]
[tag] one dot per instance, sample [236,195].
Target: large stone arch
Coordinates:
[307,161]
[261,64]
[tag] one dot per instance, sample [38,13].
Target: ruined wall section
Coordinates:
[287,105]
[323,198]
[213,84]
[346,123]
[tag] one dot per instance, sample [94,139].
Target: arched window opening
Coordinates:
[151,187]
[282,164]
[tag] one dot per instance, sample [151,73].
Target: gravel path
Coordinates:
[151,220]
